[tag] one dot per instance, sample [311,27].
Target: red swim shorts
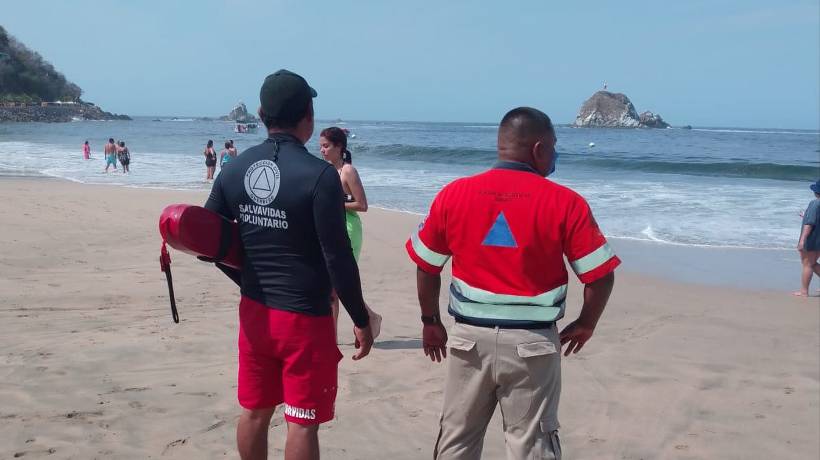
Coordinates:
[289,358]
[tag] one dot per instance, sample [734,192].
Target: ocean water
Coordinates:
[705,187]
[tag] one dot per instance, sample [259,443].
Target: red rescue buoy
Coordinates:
[202,233]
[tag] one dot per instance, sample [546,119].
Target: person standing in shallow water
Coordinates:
[124,155]
[333,145]
[86,151]
[210,160]
[226,155]
[110,154]
[809,243]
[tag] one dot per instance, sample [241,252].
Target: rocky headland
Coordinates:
[614,110]
[31,89]
[56,113]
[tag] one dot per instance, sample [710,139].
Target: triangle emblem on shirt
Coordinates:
[262,182]
[500,234]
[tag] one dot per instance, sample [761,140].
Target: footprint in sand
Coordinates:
[82,415]
[172,444]
[788,390]
[215,426]
[43,451]
[206,394]
[136,389]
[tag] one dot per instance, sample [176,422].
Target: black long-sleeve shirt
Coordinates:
[290,209]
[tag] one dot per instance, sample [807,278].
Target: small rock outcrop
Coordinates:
[614,110]
[240,114]
[651,120]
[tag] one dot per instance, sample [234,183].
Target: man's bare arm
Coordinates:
[596,295]
[429,288]
[434,336]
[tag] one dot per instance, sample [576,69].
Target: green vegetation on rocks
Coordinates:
[26,77]
[31,89]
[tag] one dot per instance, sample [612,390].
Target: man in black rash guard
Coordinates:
[290,209]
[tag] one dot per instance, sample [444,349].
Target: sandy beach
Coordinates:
[93,366]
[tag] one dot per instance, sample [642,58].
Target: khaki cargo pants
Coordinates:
[516,368]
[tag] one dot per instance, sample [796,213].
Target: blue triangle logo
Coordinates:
[500,234]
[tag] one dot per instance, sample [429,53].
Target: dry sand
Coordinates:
[93,367]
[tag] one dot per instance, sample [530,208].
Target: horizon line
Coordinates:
[560,124]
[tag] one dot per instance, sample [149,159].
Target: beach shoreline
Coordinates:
[770,269]
[93,366]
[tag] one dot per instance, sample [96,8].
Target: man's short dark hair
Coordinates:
[527,122]
[286,120]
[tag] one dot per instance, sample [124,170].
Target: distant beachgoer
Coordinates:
[124,155]
[110,154]
[86,151]
[210,160]
[226,155]
[333,145]
[233,148]
[809,243]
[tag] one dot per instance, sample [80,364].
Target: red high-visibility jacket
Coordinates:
[508,230]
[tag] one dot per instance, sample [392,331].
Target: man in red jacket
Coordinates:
[508,231]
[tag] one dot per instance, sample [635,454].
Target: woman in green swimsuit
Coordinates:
[333,145]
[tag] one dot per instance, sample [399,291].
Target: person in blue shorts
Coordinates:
[110,154]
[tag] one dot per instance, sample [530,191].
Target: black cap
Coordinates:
[284,92]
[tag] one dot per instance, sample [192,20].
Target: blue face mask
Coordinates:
[554,161]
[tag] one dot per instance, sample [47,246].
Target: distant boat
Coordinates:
[244,128]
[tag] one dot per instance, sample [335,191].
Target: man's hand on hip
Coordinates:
[434,340]
[576,335]
[364,341]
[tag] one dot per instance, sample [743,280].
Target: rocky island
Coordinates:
[239,114]
[614,110]
[31,89]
